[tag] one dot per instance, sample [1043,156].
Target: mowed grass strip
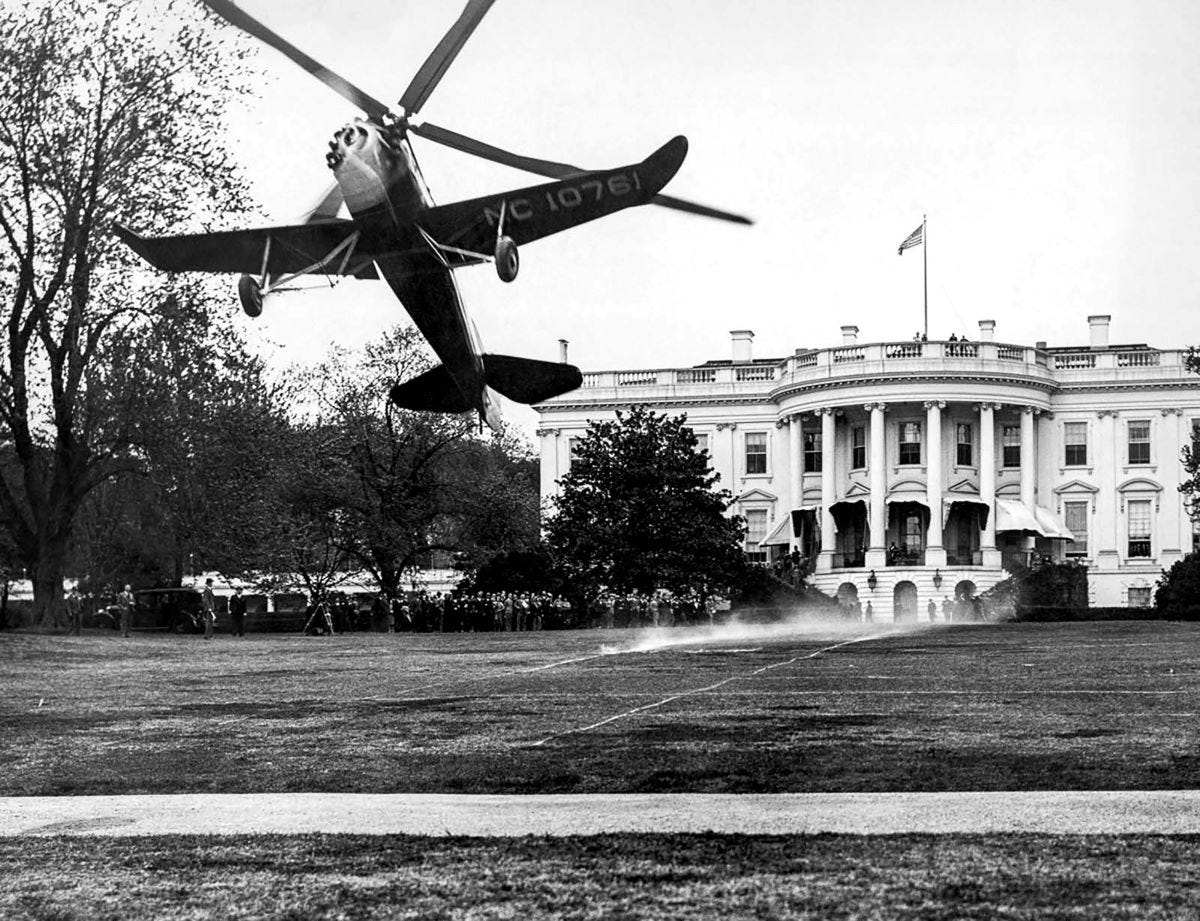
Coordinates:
[614,876]
[978,707]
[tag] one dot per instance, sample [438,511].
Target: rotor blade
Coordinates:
[247,23]
[443,55]
[461,142]
[678,204]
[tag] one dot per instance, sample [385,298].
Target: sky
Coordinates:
[1052,146]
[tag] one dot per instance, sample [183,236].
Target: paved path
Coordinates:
[1088,813]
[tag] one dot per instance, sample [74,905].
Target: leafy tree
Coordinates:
[1178,591]
[1190,487]
[498,511]
[201,488]
[530,570]
[638,511]
[215,436]
[109,111]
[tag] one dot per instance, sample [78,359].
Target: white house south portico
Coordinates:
[910,472]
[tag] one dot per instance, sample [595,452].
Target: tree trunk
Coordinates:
[48,583]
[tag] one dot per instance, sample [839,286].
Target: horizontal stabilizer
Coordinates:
[527,380]
[434,392]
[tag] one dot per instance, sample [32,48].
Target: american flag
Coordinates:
[913,239]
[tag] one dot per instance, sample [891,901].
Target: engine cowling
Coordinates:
[250,294]
[508,262]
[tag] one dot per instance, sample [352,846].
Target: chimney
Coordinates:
[562,350]
[987,330]
[743,344]
[849,335]
[1099,330]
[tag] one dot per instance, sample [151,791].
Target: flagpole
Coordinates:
[925,260]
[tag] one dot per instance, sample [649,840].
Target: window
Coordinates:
[572,454]
[756,530]
[914,534]
[910,442]
[701,444]
[1075,441]
[1139,596]
[812,452]
[1138,522]
[1075,516]
[858,447]
[756,453]
[1139,442]
[1010,442]
[965,435]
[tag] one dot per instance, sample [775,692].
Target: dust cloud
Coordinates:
[803,625]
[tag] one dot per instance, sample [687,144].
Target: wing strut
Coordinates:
[345,249]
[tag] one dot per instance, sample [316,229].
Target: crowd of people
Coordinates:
[791,567]
[425,612]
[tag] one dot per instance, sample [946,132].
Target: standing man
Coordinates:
[932,610]
[125,605]
[381,614]
[75,612]
[237,612]
[208,606]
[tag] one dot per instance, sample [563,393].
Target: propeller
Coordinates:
[419,90]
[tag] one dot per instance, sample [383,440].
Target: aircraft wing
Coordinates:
[538,211]
[293,248]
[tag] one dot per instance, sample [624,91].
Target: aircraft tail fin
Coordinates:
[527,380]
[434,391]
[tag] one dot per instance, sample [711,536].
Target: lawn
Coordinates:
[973,707]
[616,876]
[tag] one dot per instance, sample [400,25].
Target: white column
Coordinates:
[1169,441]
[1028,467]
[828,433]
[1108,458]
[935,553]
[877,550]
[987,482]
[795,459]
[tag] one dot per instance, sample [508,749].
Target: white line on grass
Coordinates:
[703,690]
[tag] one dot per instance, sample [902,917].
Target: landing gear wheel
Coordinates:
[507,260]
[251,295]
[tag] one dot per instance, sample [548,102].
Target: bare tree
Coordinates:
[109,111]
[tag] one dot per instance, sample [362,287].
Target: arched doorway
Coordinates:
[904,602]
[965,606]
[847,593]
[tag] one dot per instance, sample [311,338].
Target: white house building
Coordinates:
[914,471]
